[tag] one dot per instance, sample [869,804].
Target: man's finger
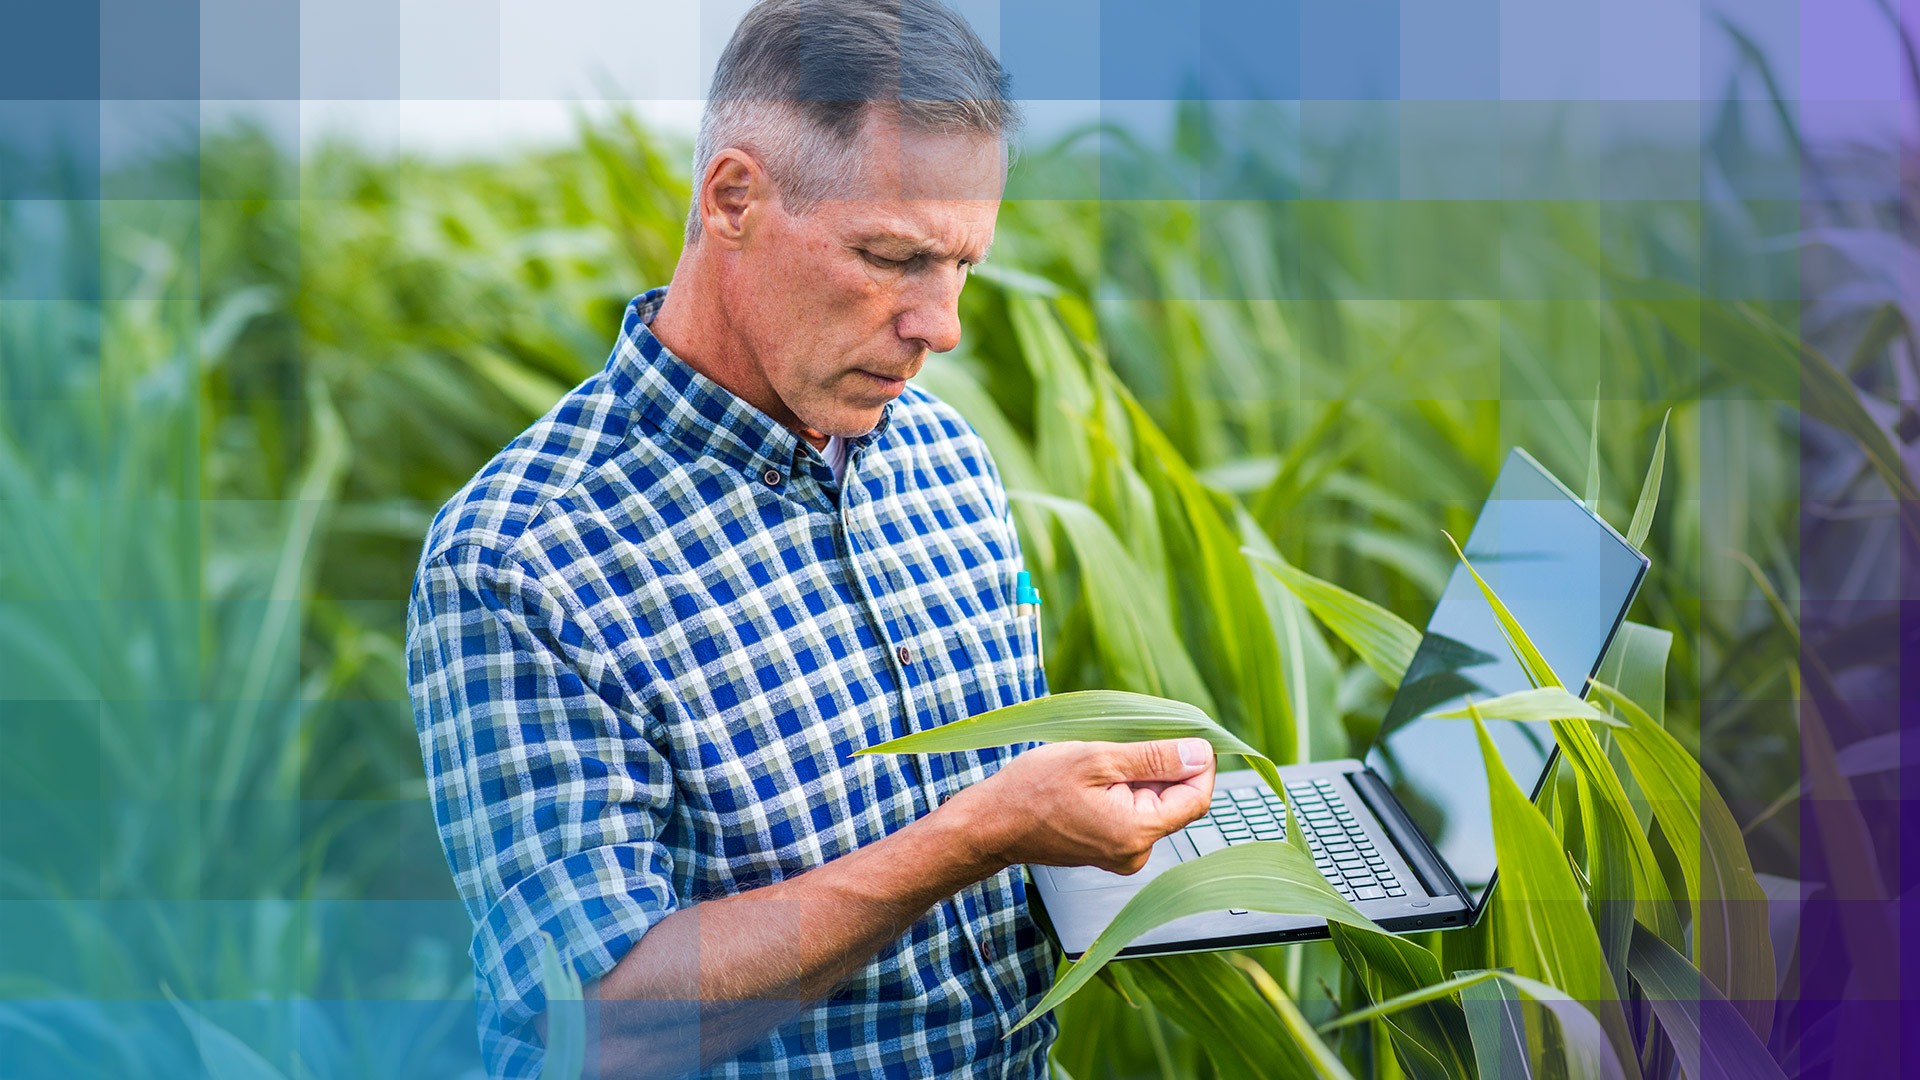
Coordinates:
[1165,759]
[1180,804]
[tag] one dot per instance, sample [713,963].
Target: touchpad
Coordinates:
[1080,878]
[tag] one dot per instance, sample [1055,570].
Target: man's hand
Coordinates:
[1089,803]
[717,975]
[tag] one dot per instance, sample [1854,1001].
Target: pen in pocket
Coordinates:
[1026,601]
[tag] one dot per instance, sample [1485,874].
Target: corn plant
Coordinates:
[1585,920]
[220,447]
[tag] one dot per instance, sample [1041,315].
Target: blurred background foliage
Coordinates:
[221,442]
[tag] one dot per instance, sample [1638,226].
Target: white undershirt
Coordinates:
[836,454]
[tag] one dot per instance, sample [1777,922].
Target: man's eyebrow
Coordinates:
[916,245]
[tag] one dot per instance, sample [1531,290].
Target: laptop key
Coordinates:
[1395,890]
[1370,892]
[1206,841]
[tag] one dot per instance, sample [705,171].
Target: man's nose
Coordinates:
[934,317]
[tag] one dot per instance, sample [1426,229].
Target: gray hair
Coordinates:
[798,78]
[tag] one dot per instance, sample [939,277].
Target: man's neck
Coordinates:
[697,333]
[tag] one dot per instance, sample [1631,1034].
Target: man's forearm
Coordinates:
[717,976]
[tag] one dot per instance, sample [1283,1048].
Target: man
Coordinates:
[647,638]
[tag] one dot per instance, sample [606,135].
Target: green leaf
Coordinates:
[1649,489]
[1636,665]
[1593,455]
[1309,677]
[221,1051]
[1588,1054]
[1541,927]
[1731,944]
[1499,1027]
[1491,1000]
[1542,703]
[1686,1002]
[1430,1037]
[1210,1000]
[1539,672]
[1238,644]
[1083,715]
[1326,1063]
[1265,876]
[1608,812]
[1135,630]
[566,1056]
[1382,640]
[1419,995]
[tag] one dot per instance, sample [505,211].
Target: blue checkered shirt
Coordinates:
[643,645]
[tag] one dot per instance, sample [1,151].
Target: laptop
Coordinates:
[1406,833]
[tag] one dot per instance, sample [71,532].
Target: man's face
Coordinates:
[840,306]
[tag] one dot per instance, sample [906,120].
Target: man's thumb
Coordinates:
[1169,759]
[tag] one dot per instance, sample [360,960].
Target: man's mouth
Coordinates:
[887,382]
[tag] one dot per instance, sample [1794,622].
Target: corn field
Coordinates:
[221,443]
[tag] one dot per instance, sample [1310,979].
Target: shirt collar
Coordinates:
[699,416]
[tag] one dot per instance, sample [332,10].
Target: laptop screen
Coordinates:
[1567,578]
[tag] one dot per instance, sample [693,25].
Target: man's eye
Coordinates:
[880,260]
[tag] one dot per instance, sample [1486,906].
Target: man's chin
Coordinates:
[849,424]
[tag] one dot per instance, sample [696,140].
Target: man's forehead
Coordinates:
[966,235]
[901,163]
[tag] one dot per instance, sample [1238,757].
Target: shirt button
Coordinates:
[905,654]
[772,477]
[986,949]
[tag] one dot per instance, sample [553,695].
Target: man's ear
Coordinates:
[735,191]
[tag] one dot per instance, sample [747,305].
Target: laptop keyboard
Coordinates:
[1341,848]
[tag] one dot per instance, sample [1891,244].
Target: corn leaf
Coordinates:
[1239,639]
[1588,1053]
[1730,933]
[1491,1001]
[1083,715]
[1539,672]
[1268,876]
[1137,638]
[1421,994]
[1612,885]
[1326,1063]
[1063,396]
[1308,675]
[1636,667]
[1499,1028]
[1429,1036]
[1711,1038]
[1649,489]
[1382,640]
[1606,812]
[222,1052]
[1541,926]
[1593,455]
[1208,997]
[1542,703]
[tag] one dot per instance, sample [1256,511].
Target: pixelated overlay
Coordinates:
[276,278]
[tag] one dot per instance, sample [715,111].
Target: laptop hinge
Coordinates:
[1412,844]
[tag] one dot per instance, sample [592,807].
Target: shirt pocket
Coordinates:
[994,662]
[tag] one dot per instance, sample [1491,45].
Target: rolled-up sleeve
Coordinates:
[550,800]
